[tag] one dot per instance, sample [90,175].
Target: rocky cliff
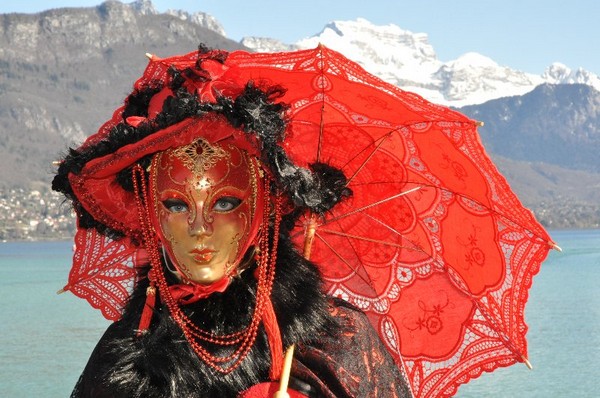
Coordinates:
[64,71]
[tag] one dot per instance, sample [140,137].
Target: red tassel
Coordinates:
[274,337]
[146,317]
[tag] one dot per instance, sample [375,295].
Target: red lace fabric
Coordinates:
[103,271]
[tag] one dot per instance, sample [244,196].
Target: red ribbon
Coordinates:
[190,293]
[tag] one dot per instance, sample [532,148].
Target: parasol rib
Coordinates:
[329,231]
[415,247]
[382,138]
[368,281]
[336,253]
[322,121]
[552,244]
[372,205]
[369,157]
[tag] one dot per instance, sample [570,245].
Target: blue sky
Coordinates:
[527,35]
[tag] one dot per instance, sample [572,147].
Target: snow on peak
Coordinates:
[362,37]
[474,78]
[558,73]
[365,27]
[383,50]
[472,60]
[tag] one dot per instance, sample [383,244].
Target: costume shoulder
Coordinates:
[161,364]
[354,363]
[123,365]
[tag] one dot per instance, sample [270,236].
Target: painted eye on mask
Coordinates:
[175,205]
[226,203]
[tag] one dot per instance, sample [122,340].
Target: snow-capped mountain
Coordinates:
[408,60]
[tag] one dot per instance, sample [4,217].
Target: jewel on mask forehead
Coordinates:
[199,156]
[203,183]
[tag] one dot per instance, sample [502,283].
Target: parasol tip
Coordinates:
[556,247]
[64,289]
[527,363]
[56,162]
[479,123]
[153,57]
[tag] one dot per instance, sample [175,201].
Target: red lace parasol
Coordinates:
[432,245]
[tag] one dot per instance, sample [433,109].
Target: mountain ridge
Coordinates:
[555,124]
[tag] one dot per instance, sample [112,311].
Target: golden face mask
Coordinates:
[206,199]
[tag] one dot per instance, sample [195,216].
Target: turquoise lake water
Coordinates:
[46,339]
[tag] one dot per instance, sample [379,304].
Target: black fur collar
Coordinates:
[162,363]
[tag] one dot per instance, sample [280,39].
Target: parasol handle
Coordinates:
[285,374]
[309,236]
